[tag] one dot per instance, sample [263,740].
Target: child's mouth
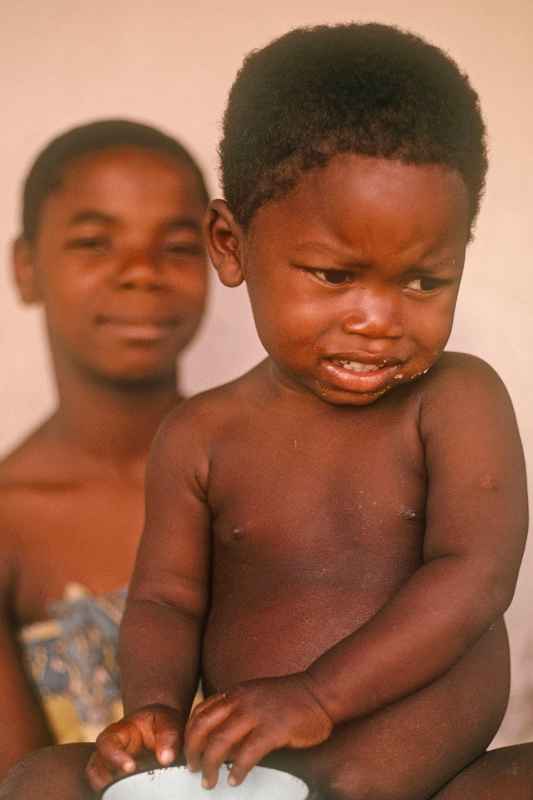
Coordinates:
[355,366]
[356,376]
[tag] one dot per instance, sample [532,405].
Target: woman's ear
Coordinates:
[24,271]
[224,240]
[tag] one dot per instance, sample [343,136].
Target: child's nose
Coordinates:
[140,271]
[376,315]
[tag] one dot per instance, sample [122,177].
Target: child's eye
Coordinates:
[425,284]
[333,277]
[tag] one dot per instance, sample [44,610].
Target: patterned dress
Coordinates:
[72,661]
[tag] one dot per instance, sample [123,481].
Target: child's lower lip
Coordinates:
[360,381]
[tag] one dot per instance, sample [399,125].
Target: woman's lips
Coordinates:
[146,330]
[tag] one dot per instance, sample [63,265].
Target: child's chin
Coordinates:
[339,397]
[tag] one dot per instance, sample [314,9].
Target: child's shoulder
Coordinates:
[455,371]
[209,411]
[459,385]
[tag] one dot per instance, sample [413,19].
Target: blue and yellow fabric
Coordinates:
[72,661]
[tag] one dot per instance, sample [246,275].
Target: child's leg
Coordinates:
[54,773]
[411,749]
[505,774]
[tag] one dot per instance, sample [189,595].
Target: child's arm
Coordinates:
[476,521]
[476,525]
[161,630]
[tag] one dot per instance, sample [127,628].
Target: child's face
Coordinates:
[353,276]
[119,263]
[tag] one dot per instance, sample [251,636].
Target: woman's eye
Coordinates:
[334,277]
[92,243]
[184,249]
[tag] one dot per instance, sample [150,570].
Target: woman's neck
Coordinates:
[111,423]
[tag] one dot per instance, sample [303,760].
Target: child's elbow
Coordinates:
[497,592]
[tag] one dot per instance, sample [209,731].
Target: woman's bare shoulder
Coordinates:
[29,463]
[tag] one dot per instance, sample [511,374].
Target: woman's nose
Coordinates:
[140,271]
[376,315]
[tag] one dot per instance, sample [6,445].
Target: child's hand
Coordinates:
[157,729]
[246,723]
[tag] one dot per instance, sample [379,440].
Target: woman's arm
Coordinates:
[22,722]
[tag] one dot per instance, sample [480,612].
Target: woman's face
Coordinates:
[119,263]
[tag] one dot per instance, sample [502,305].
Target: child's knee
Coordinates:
[353,781]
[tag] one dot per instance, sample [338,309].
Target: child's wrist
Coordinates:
[163,704]
[314,690]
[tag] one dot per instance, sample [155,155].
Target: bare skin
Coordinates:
[57,772]
[323,539]
[119,266]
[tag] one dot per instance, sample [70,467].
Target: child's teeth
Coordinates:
[357,366]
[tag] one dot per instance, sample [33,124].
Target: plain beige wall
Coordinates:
[172,64]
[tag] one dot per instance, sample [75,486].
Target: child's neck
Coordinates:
[111,424]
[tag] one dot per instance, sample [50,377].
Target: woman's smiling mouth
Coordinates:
[140,329]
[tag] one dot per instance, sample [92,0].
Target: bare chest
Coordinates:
[314,528]
[321,502]
[84,534]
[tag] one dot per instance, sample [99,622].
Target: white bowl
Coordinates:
[177,783]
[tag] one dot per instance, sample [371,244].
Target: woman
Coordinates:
[111,247]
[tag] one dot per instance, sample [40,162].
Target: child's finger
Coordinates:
[166,741]
[199,729]
[206,704]
[221,745]
[113,748]
[251,751]
[98,775]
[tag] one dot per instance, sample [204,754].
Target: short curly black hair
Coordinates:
[369,89]
[47,169]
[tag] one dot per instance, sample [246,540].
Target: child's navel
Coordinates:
[237,534]
[408,513]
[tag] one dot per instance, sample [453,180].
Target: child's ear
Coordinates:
[24,271]
[223,237]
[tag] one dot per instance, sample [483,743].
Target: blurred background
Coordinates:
[171,64]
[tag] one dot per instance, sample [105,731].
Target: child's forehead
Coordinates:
[366,193]
[356,175]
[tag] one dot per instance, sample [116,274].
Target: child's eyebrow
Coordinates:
[305,247]
[311,249]
[444,263]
